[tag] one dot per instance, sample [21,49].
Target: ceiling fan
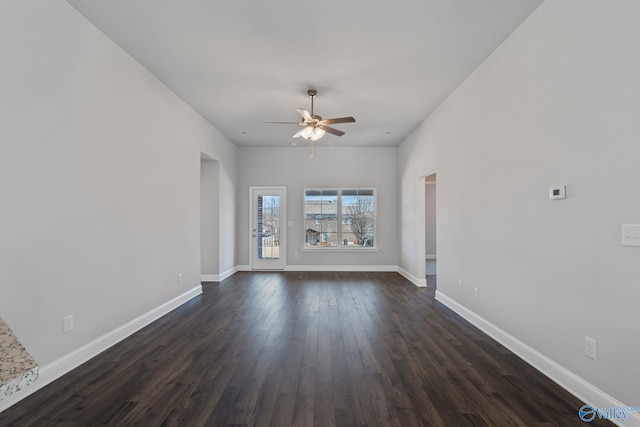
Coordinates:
[314,125]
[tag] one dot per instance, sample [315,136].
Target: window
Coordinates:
[339,218]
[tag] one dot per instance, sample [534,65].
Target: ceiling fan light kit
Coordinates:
[312,133]
[314,126]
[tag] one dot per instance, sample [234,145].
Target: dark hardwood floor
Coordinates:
[294,349]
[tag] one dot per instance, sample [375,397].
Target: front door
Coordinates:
[268,228]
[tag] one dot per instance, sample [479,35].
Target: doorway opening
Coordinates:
[431,249]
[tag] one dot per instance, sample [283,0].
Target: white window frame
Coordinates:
[339,221]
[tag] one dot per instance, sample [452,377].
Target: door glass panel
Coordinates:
[268,227]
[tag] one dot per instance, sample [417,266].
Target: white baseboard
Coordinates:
[230,272]
[54,370]
[218,277]
[575,385]
[421,283]
[379,268]
[430,256]
[243,267]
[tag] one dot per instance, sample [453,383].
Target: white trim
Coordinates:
[218,277]
[421,283]
[243,267]
[340,249]
[230,272]
[575,385]
[362,267]
[430,256]
[61,366]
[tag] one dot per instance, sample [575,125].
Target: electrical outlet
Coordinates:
[460,284]
[180,279]
[475,292]
[590,348]
[68,323]
[558,192]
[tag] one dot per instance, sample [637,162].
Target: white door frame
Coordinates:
[281,265]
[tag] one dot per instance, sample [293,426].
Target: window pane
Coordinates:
[268,227]
[321,213]
[358,213]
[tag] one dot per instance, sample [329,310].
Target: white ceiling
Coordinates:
[241,63]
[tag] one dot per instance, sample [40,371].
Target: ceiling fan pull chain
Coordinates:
[310,149]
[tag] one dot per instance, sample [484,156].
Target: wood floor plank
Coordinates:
[304,349]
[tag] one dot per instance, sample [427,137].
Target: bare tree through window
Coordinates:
[361,220]
[358,216]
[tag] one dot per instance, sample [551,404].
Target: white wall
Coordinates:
[209,218]
[330,167]
[221,150]
[99,182]
[557,103]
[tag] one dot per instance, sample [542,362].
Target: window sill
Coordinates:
[339,249]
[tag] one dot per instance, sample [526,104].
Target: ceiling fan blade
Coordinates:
[333,131]
[286,123]
[338,120]
[305,114]
[299,133]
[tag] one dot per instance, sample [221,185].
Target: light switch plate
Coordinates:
[68,323]
[590,348]
[630,235]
